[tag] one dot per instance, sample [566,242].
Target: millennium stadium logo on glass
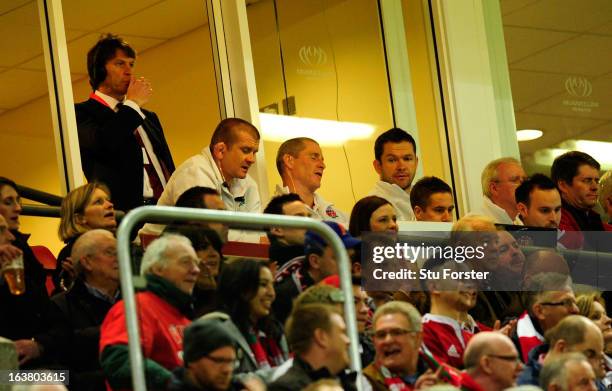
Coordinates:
[580,89]
[312,55]
[578,86]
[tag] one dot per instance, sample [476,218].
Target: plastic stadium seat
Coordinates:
[247,250]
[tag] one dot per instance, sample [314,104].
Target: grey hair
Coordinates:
[87,245]
[490,173]
[543,284]
[554,372]
[411,314]
[156,253]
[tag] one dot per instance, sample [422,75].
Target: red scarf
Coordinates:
[468,384]
[266,351]
[395,383]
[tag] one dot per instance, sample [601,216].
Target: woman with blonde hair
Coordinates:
[593,306]
[85,208]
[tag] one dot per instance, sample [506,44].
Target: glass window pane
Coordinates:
[561,76]
[174,53]
[327,59]
[26,130]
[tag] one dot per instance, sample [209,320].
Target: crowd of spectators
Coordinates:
[212,322]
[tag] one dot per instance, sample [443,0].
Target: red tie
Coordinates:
[156,184]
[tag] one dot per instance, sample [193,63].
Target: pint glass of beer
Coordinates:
[14,276]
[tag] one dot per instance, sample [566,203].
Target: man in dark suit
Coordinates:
[122,145]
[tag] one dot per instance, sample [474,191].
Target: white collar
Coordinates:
[442,319]
[317,199]
[392,187]
[498,213]
[110,101]
[216,171]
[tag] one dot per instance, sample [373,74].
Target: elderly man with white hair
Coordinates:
[568,372]
[75,316]
[499,180]
[170,266]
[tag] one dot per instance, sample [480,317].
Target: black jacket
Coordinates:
[74,332]
[301,375]
[179,382]
[24,316]
[61,257]
[282,254]
[286,291]
[111,154]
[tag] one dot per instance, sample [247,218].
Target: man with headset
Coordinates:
[122,144]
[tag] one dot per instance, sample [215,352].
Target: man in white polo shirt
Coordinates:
[222,166]
[300,164]
[396,164]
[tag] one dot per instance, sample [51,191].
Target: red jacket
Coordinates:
[572,237]
[445,339]
[161,329]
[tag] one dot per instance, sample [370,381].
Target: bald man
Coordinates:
[575,333]
[544,261]
[491,363]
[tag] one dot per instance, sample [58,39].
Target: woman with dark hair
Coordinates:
[85,208]
[208,247]
[373,214]
[23,315]
[246,293]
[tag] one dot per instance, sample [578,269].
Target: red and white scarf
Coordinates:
[528,336]
[265,349]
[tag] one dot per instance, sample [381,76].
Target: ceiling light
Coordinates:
[528,134]
[280,128]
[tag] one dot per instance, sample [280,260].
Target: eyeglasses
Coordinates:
[514,359]
[394,333]
[568,303]
[233,362]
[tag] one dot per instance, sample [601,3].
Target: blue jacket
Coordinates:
[531,371]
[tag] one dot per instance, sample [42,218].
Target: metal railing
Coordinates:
[235,220]
[54,211]
[39,196]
